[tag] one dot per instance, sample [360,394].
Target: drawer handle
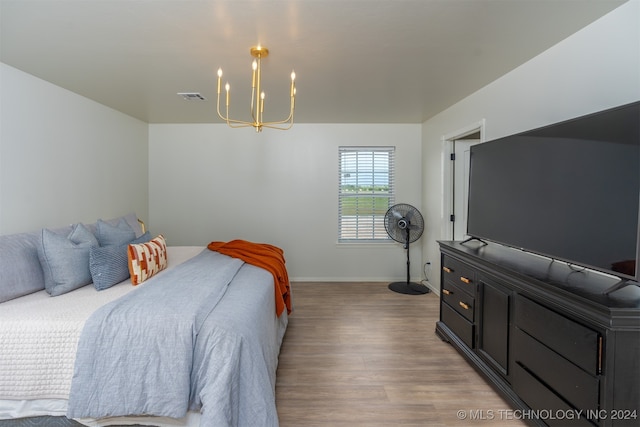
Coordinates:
[447,270]
[447,292]
[463,305]
[465,280]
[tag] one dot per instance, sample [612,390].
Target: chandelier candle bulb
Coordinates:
[219,78]
[253,76]
[227,87]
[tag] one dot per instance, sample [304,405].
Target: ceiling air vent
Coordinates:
[192,96]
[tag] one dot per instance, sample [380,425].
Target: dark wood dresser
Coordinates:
[542,332]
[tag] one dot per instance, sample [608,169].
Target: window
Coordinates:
[365,192]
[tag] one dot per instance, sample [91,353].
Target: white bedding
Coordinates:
[38,339]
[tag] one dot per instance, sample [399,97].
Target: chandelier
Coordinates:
[257,98]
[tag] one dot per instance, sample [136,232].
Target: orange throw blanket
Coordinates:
[263,255]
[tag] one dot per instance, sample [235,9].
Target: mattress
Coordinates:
[38,340]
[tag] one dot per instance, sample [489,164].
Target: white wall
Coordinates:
[65,158]
[594,69]
[209,182]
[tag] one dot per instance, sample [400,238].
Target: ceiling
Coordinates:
[356,61]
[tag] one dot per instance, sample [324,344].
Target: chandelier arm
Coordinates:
[271,126]
[255,123]
[218,104]
[242,123]
[275,125]
[229,121]
[252,109]
[239,124]
[279,122]
[261,111]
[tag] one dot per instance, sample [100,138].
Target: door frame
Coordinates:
[447,190]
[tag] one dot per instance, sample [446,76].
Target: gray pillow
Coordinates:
[109,264]
[132,220]
[20,271]
[118,234]
[65,259]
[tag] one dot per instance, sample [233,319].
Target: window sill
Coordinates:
[360,245]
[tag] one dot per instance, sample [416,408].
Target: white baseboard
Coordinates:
[347,279]
[362,279]
[430,286]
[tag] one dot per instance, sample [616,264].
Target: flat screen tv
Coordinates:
[569,191]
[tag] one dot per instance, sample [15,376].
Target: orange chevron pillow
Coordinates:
[147,259]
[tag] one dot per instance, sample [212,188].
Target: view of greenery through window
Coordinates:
[365,193]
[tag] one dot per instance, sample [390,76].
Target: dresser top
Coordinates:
[550,274]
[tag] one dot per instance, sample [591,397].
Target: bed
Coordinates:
[194,344]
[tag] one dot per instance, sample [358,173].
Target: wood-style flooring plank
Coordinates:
[358,354]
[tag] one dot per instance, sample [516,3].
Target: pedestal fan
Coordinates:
[405,224]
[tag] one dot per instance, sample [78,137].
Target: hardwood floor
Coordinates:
[358,354]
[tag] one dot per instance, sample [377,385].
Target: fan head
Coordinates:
[404,223]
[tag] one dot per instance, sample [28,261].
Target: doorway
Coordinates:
[456,155]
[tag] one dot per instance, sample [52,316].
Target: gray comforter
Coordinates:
[201,336]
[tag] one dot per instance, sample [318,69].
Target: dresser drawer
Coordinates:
[457,323]
[459,300]
[459,273]
[566,337]
[539,398]
[563,377]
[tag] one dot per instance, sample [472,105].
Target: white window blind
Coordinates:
[365,192]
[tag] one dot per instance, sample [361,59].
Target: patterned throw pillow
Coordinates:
[147,259]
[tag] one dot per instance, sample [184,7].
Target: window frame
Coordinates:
[364,162]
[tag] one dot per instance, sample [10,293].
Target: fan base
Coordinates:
[408,288]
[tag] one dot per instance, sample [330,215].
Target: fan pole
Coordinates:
[408,260]
[408,287]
